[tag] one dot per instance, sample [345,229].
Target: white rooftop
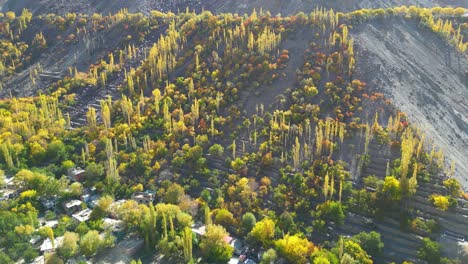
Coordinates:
[51,224]
[73,203]
[39,260]
[113,224]
[82,216]
[76,171]
[9,181]
[47,244]
[199,230]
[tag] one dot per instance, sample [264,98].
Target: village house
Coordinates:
[82,216]
[145,197]
[39,260]
[48,202]
[72,206]
[47,246]
[76,174]
[113,225]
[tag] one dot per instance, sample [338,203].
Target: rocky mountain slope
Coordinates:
[238,6]
[424,77]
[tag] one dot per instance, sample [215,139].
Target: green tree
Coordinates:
[430,251]
[248,222]
[224,218]
[324,256]
[370,242]
[213,246]
[95,171]
[90,243]
[331,210]
[56,152]
[174,193]
[237,164]
[453,187]
[216,150]
[269,256]
[76,189]
[355,251]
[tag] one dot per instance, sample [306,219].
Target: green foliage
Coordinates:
[331,211]
[69,246]
[216,150]
[453,187]
[90,243]
[269,256]
[324,256]
[224,218]
[174,193]
[248,222]
[430,251]
[370,242]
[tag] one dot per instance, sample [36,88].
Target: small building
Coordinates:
[113,208]
[145,197]
[6,194]
[48,202]
[76,174]
[9,183]
[47,246]
[35,240]
[113,225]
[83,215]
[72,206]
[90,199]
[200,231]
[237,245]
[51,223]
[39,260]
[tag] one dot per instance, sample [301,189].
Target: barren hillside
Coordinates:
[424,77]
[238,6]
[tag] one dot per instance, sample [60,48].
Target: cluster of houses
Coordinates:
[80,210]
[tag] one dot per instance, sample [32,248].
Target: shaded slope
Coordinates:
[217,6]
[425,79]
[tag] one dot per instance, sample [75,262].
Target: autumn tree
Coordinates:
[295,249]
[69,246]
[224,218]
[213,245]
[263,232]
[453,187]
